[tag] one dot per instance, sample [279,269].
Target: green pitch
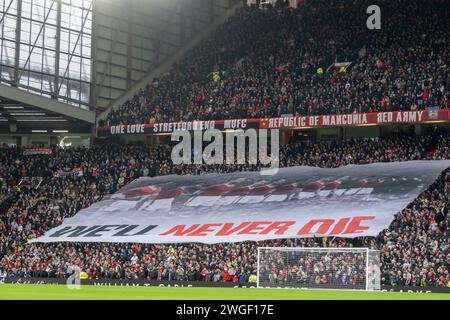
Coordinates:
[60,292]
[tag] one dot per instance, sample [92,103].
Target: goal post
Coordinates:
[318,268]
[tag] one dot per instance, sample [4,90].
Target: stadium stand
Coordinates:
[414,249]
[282,61]
[262,63]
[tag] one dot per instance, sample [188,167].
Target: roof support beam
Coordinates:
[18,35]
[56,85]
[44,103]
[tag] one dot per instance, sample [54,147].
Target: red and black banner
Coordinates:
[291,122]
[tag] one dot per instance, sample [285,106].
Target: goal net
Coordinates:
[319,268]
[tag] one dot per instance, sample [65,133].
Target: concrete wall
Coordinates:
[133,38]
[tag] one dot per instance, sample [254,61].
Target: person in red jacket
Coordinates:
[226,276]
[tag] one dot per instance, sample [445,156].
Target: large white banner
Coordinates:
[351,201]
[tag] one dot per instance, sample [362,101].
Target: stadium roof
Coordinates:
[29,113]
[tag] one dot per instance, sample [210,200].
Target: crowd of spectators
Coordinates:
[279,61]
[414,249]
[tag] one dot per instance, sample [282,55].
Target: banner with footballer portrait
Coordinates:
[350,201]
